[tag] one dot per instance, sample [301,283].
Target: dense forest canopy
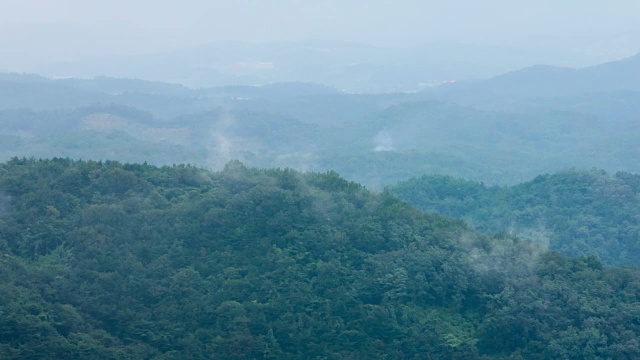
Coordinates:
[576,212]
[114,261]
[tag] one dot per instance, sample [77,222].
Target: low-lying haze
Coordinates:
[37,33]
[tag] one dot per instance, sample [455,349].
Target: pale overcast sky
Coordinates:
[36,31]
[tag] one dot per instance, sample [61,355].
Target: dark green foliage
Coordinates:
[105,260]
[575,212]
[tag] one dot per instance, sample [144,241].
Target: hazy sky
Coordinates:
[37,31]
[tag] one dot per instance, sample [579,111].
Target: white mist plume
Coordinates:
[383,141]
[223,146]
[511,255]
[220,146]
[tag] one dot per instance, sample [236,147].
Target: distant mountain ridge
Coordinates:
[352,67]
[616,75]
[549,81]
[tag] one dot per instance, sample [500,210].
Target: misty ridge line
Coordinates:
[505,129]
[567,75]
[355,68]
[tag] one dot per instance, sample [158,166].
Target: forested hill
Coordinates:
[576,212]
[103,260]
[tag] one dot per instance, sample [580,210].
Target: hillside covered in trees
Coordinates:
[576,212]
[106,260]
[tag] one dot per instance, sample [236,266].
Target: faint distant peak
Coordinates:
[22,77]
